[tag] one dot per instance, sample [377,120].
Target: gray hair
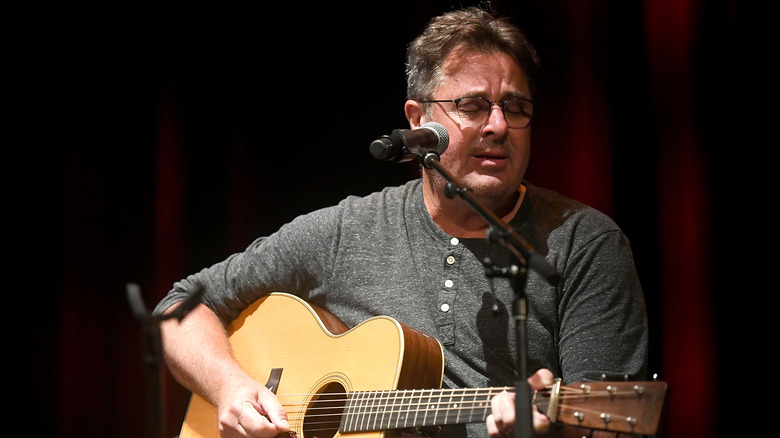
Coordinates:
[471,29]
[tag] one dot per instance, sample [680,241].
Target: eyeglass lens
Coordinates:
[475,111]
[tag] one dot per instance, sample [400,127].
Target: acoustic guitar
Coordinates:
[383,375]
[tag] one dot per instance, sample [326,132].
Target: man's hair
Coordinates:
[472,28]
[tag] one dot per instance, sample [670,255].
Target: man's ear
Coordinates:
[414,113]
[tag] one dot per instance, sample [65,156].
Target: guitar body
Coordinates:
[318,356]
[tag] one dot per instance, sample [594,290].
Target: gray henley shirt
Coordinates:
[382,254]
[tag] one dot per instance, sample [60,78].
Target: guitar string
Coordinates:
[385,423]
[371,408]
[386,408]
[395,395]
[313,426]
[372,396]
[375,410]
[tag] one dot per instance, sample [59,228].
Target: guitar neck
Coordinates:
[628,407]
[378,410]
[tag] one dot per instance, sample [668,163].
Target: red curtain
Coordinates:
[688,327]
[181,142]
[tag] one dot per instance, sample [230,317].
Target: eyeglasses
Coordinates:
[474,111]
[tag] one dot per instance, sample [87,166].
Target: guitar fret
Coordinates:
[348,421]
[377,407]
[361,410]
[371,412]
[347,410]
[400,412]
[391,410]
[446,405]
[428,407]
[472,403]
[436,410]
[408,421]
[355,408]
[358,410]
[451,407]
[365,409]
[416,408]
[457,405]
[484,407]
[388,406]
[381,409]
[464,407]
[387,416]
[370,409]
[391,415]
[384,422]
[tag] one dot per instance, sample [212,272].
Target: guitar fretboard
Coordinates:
[378,410]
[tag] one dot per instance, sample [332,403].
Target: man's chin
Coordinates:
[490,189]
[485,185]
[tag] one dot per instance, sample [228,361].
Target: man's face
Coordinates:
[491,159]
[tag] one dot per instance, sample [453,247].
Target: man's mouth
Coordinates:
[490,156]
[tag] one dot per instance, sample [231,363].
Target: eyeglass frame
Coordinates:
[502,104]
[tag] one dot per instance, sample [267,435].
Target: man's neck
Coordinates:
[457,218]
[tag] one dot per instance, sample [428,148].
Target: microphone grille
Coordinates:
[441,132]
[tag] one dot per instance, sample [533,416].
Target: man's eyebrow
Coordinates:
[506,96]
[515,95]
[511,94]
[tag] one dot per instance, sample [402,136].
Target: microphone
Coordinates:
[407,144]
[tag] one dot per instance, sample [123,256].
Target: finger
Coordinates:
[230,421]
[245,420]
[503,411]
[540,379]
[492,429]
[540,421]
[496,431]
[506,407]
[251,421]
[276,415]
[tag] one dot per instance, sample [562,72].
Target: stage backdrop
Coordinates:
[175,137]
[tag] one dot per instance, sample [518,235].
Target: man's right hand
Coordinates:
[249,409]
[198,353]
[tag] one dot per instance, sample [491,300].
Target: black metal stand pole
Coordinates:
[523,410]
[152,354]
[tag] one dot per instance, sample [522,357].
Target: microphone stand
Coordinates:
[525,256]
[152,352]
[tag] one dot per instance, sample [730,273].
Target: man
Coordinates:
[412,253]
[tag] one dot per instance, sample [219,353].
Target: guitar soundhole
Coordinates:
[324,412]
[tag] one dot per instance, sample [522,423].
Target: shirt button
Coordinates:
[454,241]
[445,307]
[450,260]
[448,283]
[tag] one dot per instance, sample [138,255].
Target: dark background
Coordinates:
[168,138]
